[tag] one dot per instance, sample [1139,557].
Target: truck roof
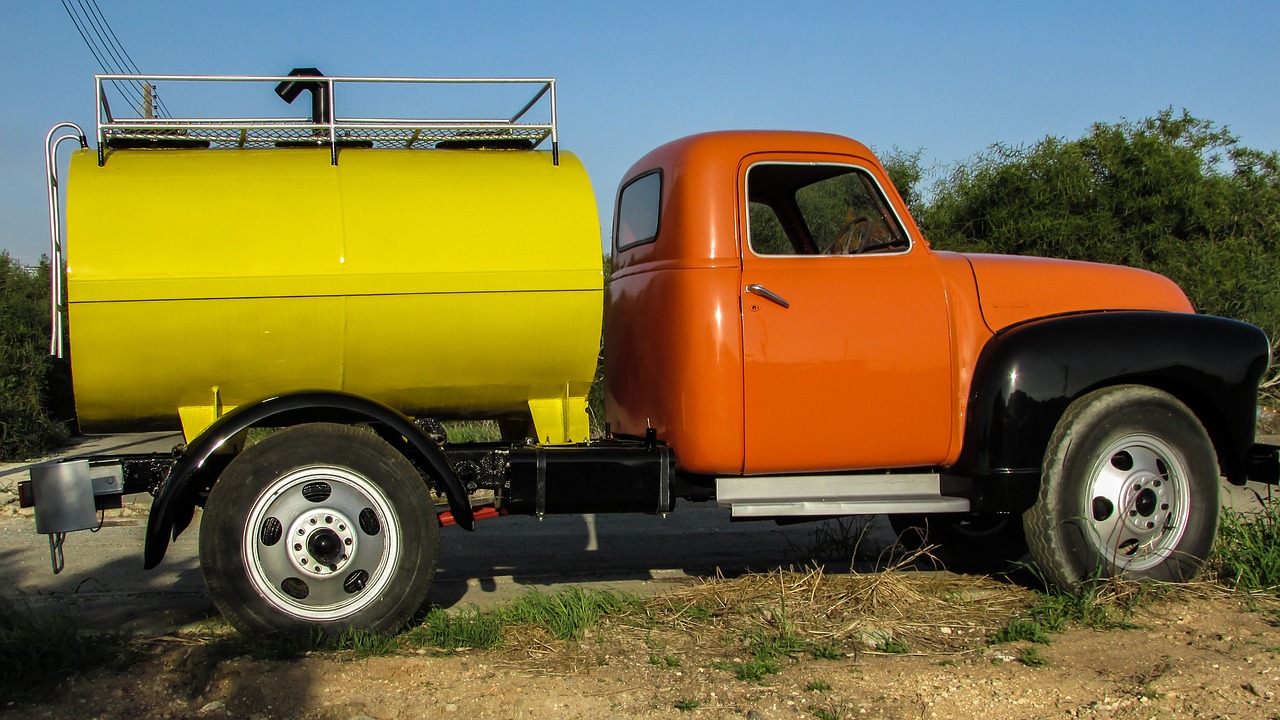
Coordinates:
[737,144]
[700,182]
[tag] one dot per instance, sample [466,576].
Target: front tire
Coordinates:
[1129,487]
[322,526]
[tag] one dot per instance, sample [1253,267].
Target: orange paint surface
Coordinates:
[868,364]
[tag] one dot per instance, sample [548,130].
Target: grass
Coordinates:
[753,670]
[1246,557]
[344,645]
[777,617]
[767,621]
[466,431]
[1247,553]
[1031,657]
[892,646]
[830,711]
[772,643]
[664,661]
[564,615]
[836,541]
[1105,605]
[768,647]
[469,629]
[825,651]
[38,650]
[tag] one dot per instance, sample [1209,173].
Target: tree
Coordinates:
[1173,194]
[26,425]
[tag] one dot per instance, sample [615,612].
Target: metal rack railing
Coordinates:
[326,126]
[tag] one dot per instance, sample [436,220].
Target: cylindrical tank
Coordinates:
[450,283]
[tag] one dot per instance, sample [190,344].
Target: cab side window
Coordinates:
[819,210]
[639,211]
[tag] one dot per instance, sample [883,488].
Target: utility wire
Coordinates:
[92,47]
[101,22]
[123,53]
[109,52]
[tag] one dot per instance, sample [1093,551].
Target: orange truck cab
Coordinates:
[778,337]
[777,318]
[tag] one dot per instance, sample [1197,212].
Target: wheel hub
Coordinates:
[322,541]
[1147,507]
[1138,501]
[325,546]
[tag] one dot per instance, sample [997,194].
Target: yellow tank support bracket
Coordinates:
[562,420]
[196,418]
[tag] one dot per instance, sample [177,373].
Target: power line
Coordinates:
[128,61]
[109,52]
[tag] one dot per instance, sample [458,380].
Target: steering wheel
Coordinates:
[859,228]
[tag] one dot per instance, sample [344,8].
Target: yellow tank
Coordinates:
[449,283]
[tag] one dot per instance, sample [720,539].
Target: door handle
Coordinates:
[767,294]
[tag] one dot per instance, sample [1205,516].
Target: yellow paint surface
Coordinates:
[451,283]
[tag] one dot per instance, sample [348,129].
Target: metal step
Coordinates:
[766,496]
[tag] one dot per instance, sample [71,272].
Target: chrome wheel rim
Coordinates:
[1138,502]
[321,543]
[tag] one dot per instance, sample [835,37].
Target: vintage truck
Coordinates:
[778,337]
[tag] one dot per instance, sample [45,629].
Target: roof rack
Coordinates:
[325,126]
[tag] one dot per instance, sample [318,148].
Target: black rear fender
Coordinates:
[201,461]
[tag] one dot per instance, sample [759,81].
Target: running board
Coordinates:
[834,495]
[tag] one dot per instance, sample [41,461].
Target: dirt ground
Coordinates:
[1190,652]
[1195,653]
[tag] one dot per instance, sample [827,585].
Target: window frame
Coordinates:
[853,167]
[617,215]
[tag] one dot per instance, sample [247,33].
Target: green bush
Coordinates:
[27,427]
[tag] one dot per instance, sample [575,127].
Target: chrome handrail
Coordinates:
[57,250]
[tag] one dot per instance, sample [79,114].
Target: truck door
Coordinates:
[846,349]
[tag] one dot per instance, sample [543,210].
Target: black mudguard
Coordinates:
[1028,374]
[201,463]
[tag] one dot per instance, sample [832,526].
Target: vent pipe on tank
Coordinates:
[291,89]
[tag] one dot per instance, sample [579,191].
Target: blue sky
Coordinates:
[947,78]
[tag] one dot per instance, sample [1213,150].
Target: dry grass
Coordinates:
[1269,415]
[807,613]
[927,611]
[793,613]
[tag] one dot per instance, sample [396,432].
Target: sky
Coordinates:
[946,78]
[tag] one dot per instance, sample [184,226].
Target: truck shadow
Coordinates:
[506,556]
[116,595]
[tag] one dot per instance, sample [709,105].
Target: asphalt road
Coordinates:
[103,583]
[104,586]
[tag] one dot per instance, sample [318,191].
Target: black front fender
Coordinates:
[1027,375]
[199,465]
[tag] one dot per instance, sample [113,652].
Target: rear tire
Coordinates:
[319,526]
[1129,488]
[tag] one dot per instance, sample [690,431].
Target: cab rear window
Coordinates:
[639,211]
